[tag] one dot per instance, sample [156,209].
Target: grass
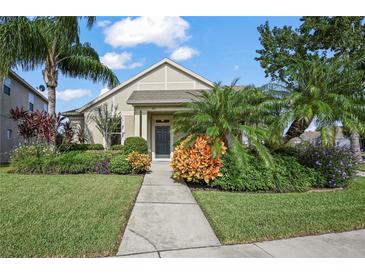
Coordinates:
[245,217]
[64,215]
[361,167]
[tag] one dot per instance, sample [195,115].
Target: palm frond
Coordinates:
[21,44]
[84,66]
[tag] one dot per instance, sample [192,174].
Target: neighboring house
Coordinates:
[15,92]
[147,103]
[314,138]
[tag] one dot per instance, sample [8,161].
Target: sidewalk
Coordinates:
[165,217]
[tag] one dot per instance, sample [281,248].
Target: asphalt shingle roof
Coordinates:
[162,96]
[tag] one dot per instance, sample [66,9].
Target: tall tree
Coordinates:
[322,93]
[53,44]
[340,38]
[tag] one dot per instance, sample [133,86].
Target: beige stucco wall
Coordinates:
[18,97]
[164,77]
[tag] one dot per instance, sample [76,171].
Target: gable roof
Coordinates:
[139,75]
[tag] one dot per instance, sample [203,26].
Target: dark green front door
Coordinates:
[162,141]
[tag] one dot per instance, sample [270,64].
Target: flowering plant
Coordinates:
[335,163]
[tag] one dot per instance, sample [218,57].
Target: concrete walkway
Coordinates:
[335,245]
[165,217]
[167,222]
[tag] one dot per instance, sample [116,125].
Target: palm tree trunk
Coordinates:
[355,146]
[51,100]
[50,76]
[296,129]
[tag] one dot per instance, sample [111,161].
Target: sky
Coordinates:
[220,49]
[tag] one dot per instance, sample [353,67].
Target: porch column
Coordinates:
[144,125]
[137,123]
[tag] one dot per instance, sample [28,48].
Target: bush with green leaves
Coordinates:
[117,147]
[120,165]
[137,144]
[286,175]
[336,164]
[80,161]
[37,159]
[72,147]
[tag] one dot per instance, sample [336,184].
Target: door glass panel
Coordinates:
[162,140]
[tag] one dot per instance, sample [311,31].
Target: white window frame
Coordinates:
[118,133]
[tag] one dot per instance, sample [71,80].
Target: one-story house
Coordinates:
[147,103]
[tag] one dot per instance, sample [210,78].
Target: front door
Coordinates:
[162,141]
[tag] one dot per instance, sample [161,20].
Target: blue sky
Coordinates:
[218,48]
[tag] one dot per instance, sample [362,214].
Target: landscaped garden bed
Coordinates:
[263,188]
[41,159]
[64,215]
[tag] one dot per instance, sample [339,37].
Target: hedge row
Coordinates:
[36,159]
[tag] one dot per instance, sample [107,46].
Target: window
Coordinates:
[9,133]
[31,101]
[7,86]
[116,135]
[45,107]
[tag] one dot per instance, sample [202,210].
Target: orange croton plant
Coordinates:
[195,163]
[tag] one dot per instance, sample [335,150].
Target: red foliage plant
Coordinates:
[37,124]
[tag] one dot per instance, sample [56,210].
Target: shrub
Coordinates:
[139,162]
[135,144]
[38,159]
[120,165]
[79,161]
[335,163]
[72,147]
[289,175]
[117,147]
[288,150]
[30,159]
[195,163]
[286,175]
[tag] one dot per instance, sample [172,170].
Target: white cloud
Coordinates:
[119,60]
[167,32]
[70,94]
[183,53]
[103,23]
[104,90]
[236,67]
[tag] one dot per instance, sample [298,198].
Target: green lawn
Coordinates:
[245,217]
[64,215]
[361,167]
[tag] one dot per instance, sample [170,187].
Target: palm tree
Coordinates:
[51,43]
[223,114]
[324,92]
